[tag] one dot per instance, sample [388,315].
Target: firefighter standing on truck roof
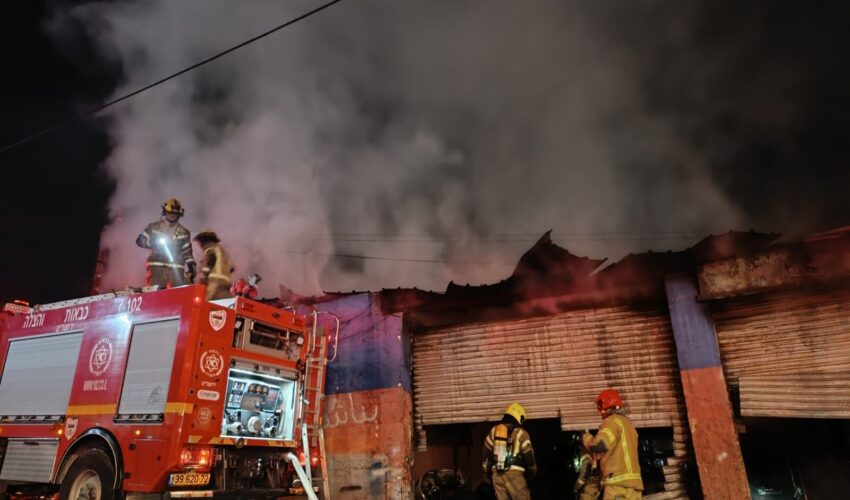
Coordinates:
[215,266]
[170,262]
[617,442]
[509,457]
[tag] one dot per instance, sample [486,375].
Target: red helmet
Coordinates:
[607,399]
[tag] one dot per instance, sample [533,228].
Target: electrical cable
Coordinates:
[390,238]
[100,108]
[394,259]
[437,240]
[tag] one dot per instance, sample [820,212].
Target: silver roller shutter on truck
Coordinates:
[148,376]
[38,374]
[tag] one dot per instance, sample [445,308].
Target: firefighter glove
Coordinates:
[143,241]
[190,270]
[579,484]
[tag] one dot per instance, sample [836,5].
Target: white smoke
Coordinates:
[427,128]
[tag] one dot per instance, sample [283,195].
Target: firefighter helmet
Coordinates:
[517,412]
[172,206]
[607,399]
[205,236]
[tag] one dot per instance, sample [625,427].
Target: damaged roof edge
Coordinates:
[551,274]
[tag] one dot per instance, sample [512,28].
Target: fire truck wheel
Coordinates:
[90,478]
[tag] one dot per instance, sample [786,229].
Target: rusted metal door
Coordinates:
[554,366]
[789,353]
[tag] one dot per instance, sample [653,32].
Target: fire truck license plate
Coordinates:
[188,479]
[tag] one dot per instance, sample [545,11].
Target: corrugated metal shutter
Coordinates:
[148,376]
[555,366]
[788,352]
[38,375]
[29,460]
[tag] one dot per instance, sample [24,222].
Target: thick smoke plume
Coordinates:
[422,133]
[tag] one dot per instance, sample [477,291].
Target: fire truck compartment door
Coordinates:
[29,460]
[148,376]
[38,374]
[144,462]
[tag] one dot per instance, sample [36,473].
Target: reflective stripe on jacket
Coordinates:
[169,242]
[215,264]
[619,463]
[521,451]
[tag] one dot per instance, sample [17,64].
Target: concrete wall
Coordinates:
[368,406]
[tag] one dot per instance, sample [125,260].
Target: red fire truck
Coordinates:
[162,395]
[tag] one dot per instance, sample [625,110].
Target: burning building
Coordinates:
[715,350]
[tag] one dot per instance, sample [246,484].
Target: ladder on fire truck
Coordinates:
[312,436]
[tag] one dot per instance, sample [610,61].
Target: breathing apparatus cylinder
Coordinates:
[500,448]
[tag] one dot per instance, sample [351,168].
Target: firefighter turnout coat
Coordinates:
[617,441]
[509,457]
[171,250]
[216,271]
[588,484]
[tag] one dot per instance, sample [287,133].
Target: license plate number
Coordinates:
[188,479]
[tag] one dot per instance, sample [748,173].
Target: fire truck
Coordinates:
[162,394]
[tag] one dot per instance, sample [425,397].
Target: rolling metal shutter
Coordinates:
[555,366]
[148,376]
[38,375]
[789,353]
[29,460]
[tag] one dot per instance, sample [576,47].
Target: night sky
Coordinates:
[54,195]
[760,90]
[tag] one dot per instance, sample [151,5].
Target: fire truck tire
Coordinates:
[91,477]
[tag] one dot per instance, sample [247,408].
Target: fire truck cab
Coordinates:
[162,395]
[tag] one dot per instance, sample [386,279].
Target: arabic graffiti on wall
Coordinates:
[342,410]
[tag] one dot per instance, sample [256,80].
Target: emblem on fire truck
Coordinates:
[100,357]
[204,415]
[217,319]
[71,427]
[212,363]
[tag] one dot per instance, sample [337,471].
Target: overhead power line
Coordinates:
[536,235]
[499,238]
[438,240]
[395,259]
[210,59]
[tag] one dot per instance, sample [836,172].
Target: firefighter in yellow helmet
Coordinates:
[216,269]
[509,457]
[170,262]
[617,442]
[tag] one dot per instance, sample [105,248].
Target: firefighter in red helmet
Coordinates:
[617,443]
[509,457]
[170,262]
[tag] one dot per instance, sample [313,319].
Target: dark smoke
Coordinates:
[442,126]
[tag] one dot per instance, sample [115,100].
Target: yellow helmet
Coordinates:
[172,206]
[517,411]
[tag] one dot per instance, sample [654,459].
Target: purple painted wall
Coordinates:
[372,350]
[368,405]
